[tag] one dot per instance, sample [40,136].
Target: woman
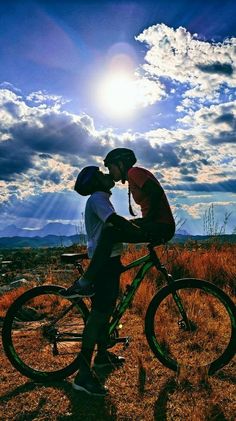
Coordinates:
[157,219]
[156,225]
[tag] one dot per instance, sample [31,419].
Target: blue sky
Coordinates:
[78,78]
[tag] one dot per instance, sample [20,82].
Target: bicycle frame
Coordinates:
[148,261]
[23,323]
[130,289]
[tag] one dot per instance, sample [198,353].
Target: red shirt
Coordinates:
[137,177]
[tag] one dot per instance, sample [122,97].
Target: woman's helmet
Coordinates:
[125,155]
[84,184]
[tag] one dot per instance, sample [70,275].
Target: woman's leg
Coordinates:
[145,232]
[109,236]
[159,231]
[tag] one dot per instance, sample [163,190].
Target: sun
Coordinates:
[117,95]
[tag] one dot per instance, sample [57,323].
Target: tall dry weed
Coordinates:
[8,298]
[214,263]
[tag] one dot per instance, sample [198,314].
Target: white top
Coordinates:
[98,209]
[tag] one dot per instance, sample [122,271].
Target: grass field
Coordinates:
[143,389]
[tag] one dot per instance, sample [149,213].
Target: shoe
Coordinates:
[90,385]
[108,359]
[76,290]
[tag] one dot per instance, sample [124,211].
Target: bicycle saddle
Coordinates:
[73,257]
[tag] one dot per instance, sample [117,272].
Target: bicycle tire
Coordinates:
[201,287]
[15,315]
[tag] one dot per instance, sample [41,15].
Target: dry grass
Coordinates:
[143,389]
[216,264]
[7,299]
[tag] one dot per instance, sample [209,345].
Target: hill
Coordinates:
[36,242]
[65,241]
[53,228]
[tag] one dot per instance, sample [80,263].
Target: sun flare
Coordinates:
[117,95]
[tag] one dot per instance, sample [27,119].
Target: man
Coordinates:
[93,182]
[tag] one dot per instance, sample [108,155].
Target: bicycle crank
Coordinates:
[55,349]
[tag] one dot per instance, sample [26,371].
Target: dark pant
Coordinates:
[106,292]
[103,304]
[146,231]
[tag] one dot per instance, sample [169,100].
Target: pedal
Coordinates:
[126,343]
[182,324]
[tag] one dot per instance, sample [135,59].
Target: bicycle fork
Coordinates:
[185,323]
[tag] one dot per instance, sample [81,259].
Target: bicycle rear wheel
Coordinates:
[208,341]
[42,333]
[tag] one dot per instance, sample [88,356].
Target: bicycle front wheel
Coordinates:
[209,339]
[42,333]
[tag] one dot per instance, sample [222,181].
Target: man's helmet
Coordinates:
[125,155]
[84,184]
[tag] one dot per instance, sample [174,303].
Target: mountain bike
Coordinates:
[189,322]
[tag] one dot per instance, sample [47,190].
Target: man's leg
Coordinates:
[105,301]
[96,321]
[84,380]
[105,358]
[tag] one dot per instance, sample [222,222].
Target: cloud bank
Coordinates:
[204,67]
[43,146]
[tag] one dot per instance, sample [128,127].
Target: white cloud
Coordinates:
[67,140]
[46,147]
[148,91]
[202,67]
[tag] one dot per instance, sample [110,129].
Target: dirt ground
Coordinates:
[143,389]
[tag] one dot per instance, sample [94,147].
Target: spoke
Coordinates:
[53,342]
[205,337]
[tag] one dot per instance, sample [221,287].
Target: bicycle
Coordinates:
[189,322]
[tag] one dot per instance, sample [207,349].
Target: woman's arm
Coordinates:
[123,224]
[155,192]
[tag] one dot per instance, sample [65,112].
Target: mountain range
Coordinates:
[52,228]
[36,242]
[63,235]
